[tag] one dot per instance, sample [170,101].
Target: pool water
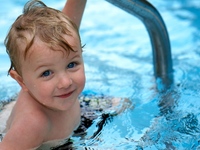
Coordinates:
[118,62]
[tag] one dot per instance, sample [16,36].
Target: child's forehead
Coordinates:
[40,51]
[40,47]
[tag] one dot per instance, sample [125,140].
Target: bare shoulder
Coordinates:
[27,131]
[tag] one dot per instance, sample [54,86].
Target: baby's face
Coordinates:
[54,78]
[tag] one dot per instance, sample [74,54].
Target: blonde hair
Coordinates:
[37,20]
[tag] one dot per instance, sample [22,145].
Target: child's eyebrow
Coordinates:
[42,65]
[75,55]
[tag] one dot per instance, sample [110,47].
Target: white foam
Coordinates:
[4,114]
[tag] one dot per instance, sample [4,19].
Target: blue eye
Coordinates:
[46,73]
[71,65]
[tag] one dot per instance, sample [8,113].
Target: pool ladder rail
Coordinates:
[159,38]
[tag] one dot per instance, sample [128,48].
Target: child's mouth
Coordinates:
[65,95]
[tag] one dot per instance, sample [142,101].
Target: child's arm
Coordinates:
[26,133]
[74,9]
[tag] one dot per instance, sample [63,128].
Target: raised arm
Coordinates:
[74,9]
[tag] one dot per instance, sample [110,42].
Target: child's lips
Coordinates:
[65,95]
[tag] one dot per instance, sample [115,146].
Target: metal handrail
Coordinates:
[157,30]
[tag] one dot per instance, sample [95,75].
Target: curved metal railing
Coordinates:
[156,28]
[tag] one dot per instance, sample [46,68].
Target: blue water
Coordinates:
[118,62]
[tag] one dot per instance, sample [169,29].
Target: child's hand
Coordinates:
[119,105]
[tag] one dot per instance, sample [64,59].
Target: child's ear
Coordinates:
[18,78]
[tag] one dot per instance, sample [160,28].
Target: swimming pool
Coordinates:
[118,62]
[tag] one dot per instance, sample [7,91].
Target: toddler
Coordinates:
[46,60]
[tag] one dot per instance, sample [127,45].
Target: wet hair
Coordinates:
[37,21]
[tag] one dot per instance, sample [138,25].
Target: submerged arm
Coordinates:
[74,9]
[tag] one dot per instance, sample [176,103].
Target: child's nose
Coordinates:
[64,81]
